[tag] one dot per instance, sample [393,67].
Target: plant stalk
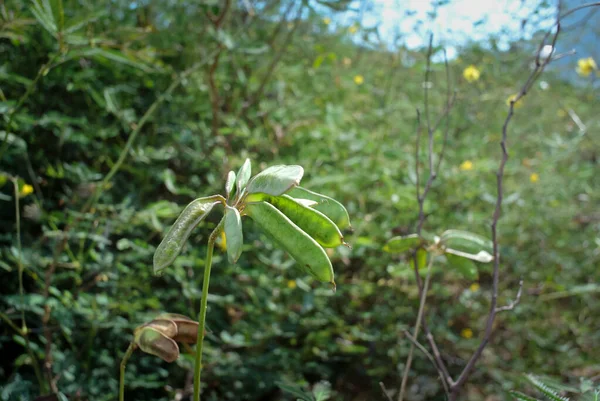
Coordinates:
[203,303]
[417,327]
[128,353]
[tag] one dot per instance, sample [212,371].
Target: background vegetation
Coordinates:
[102,170]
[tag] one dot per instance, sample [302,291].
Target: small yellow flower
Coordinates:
[353,29]
[466,333]
[347,61]
[474,287]
[518,103]
[585,66]
[291,284]
[327,21]
[471,73]
[359,79]
[466,165]
[25,190]
[534,177]
[561,113]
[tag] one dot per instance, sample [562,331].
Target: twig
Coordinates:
[431,359]
[384,390]
[422,196]
[513,303]
[214,91]
[257,95]
[539,68]
[422,301]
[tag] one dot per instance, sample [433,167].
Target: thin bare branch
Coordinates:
[513,303]
[384,390]
[431,359]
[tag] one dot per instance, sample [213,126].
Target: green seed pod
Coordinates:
[326,205]
[233,233]
[275,180]
[311,221]
[311,257]
[230,185]
[178,234]
[243,175]
[153,342]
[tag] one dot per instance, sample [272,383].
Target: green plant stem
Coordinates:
[416,329]
[203,303]
[44,69]
[34,361]
[128,353]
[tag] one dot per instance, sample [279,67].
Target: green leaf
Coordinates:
[309,255]
[464,266]
[311,221]
[243,176]
[326,205]
[466,241]
[230,184]
[276,180]
[178,234]
[322,391]
[233,234]
[296,391]
[402,244]
[544,389]
[522,397]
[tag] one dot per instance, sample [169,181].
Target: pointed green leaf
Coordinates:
[326,205]
[178,234]
[311,221]
[522,397]
[153,342]
[243,176]
[463,266]
[230,185]
[233,233]
[309,255]
[402,244]
[466,241]
[276,180]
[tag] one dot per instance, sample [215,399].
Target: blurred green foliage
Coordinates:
[279,82]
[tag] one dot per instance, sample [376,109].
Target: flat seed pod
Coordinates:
[153,342]
[187,329]
[311,221]
[233,233]
[230,184]
[178,234]
[402,244]
[243,175]
[326,205]
[311,257]
[466,241]
[276,180]
[164,325]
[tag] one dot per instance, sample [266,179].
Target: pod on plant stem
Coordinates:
[311,221]
[187,329]
[178,234]
[153,342]
[233,233]
[309,255]
[324,204]
[275,180]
